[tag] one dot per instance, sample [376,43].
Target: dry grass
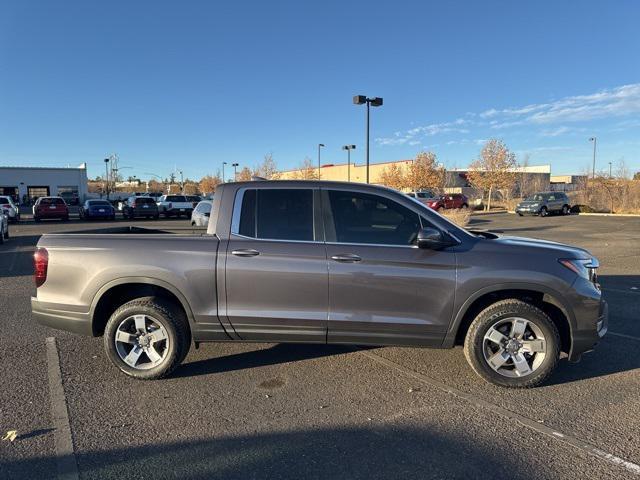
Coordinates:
[460,217]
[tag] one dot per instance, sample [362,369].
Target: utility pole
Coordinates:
[594,140]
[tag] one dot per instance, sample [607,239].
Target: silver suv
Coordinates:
[544,203]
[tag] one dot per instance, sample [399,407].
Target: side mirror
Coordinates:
[434,239]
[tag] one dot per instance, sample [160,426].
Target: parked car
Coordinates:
[136,207]
[325,262]
[174,206]
[4,225]
[201,214]
[450,200]
[423,196]
[50,207]
[544,203]
[13,211]
[92,209]
[194,199]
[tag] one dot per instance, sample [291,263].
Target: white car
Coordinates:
[200,215]
[6,202]
[174,205]
[423,196]
[4,225]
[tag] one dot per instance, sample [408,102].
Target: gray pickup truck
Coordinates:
[323,262]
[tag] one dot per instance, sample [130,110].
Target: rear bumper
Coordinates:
[50,316]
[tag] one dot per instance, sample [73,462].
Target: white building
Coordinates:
[25,184]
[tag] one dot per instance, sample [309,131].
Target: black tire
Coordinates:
[65,219]
[156,216]
[520,214]
[474,345]
[565,210]
[165,313]
[544,212]
[6,234]
[2,237]
[36,219]
[464,206]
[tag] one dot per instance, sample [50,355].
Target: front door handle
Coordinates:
[245,252]
[346,258]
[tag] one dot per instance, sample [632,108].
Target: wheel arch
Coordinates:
[549,301]
[117,292]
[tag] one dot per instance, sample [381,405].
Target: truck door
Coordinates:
[383,289]
[276,266]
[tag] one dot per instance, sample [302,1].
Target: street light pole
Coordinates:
[106,177]
[181,182]
[223,164]
[348,148]
[235,171]
[609,169]
[594,140]
[320,145]
[370,102]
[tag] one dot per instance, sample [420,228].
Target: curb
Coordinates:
[491,212]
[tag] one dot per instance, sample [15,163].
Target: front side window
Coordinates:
[372,219]
[277,214]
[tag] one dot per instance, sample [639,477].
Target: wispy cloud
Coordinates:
[609,103]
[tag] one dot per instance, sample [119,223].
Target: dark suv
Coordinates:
[136,207]
[544,203]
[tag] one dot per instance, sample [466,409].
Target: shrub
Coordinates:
[460,217]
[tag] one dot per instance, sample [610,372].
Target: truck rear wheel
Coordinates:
[147,338]
[513,344]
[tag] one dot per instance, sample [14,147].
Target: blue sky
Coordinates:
[195,83]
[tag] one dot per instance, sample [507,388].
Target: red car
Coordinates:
[451,200]
[50,207]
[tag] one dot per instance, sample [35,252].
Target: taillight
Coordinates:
[6,205]
[40,265]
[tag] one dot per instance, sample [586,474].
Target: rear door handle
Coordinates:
[346,258]
[245,252]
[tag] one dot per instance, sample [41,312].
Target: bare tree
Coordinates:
[306,171]
[267,169]
[425,172]
[392,176]
[494,170]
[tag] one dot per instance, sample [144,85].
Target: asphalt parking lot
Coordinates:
[313,411]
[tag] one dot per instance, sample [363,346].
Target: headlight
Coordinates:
[535,205]
[587,268]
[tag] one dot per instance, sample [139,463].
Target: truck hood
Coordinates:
[560,249]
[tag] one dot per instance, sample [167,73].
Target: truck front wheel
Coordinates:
[513,344]
[147,338]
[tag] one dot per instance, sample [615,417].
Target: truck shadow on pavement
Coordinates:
[16,256]
[277,354]
[331,453]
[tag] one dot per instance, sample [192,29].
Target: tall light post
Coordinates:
[181,182]
[594,140]
[348,148]
[223,164]
[106,177]
[609,169]
[235,171]
[371,102]
[320,145]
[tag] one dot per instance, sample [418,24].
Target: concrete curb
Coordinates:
[492,212]
[599,214]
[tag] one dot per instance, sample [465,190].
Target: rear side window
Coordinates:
[204,208]
[142,200]
[372,219]
[175,198]
[278,214]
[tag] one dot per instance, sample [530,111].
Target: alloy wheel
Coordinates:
[141,342]
[514,347]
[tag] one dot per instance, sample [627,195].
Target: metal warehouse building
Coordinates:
[25,184]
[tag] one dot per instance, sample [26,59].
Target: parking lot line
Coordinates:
[525,421]
[622,335]
[65,458]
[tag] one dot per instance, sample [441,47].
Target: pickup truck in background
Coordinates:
[175,206]
[322,262]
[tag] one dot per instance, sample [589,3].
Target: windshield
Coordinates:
[535,198]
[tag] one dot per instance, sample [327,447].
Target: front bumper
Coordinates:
[51,316]
[528,210]
[591,318]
